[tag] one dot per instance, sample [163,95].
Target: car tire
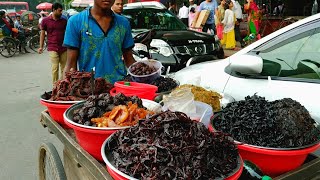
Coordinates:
[220,54]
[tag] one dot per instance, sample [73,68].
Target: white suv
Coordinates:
[283,64]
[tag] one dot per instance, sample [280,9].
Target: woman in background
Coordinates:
[254,18]
[228,22]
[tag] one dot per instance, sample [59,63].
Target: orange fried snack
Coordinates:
[122,115]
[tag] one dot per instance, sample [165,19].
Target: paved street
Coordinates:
[24,78]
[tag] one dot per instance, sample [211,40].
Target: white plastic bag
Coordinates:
[181,100]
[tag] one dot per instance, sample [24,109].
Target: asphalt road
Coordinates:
[24,78]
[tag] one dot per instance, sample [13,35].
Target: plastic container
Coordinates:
[150,77]
[202,109]
[142,95]
[134,86]
[142,90]
[274,162]
[118,175]
[91,138]
[56,111]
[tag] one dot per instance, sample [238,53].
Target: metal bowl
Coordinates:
[68,114]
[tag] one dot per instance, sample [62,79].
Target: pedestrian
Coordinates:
[254,19]
[212,6]
[219,17]
[117,6]
[97,38]
[192,4]
[21,35]
[239,17]
[228,26]
[173,7]
[55,27]
[279,10]
[184,13]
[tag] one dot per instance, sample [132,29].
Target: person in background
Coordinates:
[97,38]
[279,9]
[192,4]
[254,19]
[219,17]
[21,36]
[228,26]
[184,13]
[212,6]
[192,14]
[117,6]
[173,7]
[239,17]
[5,25]
[220,12]
[55,27]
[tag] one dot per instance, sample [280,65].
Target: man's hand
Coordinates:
[40,50]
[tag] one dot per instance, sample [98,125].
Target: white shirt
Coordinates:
[183,12]
[228,21]
[237,9]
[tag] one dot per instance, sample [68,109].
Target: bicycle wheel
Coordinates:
[8,47]
[34,43]
[50,165]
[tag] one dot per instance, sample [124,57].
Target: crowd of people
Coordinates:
[224,19]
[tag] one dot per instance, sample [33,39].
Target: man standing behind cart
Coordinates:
[96,39]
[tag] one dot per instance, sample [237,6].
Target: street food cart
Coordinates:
[79,164]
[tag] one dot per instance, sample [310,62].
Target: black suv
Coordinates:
[173,44]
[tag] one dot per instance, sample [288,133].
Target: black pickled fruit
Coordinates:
[282,123]
[169,145]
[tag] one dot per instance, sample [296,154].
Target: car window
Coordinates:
[150,18]
[295,57]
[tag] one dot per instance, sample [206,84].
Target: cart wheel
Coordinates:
[50,165]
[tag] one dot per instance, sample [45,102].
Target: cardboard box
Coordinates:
[202,18]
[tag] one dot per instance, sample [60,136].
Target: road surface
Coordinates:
[24,78]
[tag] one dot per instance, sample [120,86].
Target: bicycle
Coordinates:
[8,47]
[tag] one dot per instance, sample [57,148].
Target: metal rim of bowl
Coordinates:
[107,156]
[42,98]
[69,113]
[262,147]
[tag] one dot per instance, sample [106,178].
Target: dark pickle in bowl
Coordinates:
[169,145]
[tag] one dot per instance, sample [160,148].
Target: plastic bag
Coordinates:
[180,100]
[220,31]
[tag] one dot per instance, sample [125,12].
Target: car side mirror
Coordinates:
[246,64]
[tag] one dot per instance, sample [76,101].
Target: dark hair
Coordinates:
[227,3]
[56,6]
[2,13]
[192,10]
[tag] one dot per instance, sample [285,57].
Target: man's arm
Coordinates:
[72,56]
[128,58]
[42,35]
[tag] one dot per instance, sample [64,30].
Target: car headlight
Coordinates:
[163,47]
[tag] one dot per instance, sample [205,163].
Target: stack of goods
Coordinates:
[200,94]
[282,123]
[105,110]
[169,145]
[78,86]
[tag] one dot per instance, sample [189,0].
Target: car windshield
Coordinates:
[151,18]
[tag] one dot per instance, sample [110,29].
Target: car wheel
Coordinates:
[220,53]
